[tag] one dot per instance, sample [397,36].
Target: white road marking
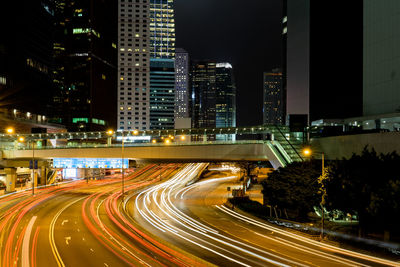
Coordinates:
[67,239]
[64,221]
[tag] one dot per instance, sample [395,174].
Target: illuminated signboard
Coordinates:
[94,163]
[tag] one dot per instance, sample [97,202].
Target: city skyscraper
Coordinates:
[319,45]
[182,91]
[213,95]
[162,64]
[274,98]
[203,94]
[225,106]
[26,63]
[86,72]
[134,65]
[146,89]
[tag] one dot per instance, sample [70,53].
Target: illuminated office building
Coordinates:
[274,98]
[225,106]
[26,62]
[146,67]
[182,84]
[162,64]
[86,57]
[134,65]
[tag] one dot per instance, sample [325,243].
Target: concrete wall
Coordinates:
[381,56]
[338,147]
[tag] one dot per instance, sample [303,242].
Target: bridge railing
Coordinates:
[93,145]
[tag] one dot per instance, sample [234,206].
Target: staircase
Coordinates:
[287,145]
[51,176]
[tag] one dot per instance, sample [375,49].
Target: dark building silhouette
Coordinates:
[86,55]
[274,98]
[324,58]
[26,63]
[203,94]
[225,106]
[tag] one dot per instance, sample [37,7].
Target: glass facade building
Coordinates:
[162,66]
[182,84]
[162,93]
[86,64]
[225,106]
[274,99]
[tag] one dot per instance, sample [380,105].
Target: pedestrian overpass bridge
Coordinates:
[263,143]
[180,152]
[260,143]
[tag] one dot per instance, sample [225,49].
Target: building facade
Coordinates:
[381,71]
[133,65]
[182,91]
[213,95]
[86,65]
[26,63]
[225,106]
[146,31]
[203,94]
[320,44]
[162,66]
[274,98]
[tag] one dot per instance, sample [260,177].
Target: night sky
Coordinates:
[244,33]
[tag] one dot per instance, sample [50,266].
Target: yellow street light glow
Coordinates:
[21,139]
[110,132]
[135,132]
[172,137]
[183,137]
[154,141]
[10,130]
[167,141]
[307,152]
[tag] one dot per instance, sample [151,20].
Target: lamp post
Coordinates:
[308,152]
[33,167]
[122,157]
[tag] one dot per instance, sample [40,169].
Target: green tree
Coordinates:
[294,187]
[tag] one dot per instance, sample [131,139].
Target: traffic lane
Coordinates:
[224,248]
[272,240]
[207,250]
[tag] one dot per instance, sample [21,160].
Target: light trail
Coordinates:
[188,225]
[310,241]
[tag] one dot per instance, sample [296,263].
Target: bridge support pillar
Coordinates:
[109,141]
[43,175]
[11,178]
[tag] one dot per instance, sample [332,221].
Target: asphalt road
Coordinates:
[194,219]
[161,220]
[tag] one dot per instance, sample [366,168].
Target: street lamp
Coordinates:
[122,158]
[10,130]
[308,152]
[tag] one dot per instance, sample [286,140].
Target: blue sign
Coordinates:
[92,163]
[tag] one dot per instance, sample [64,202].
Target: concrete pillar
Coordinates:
[11,178]
[43,175]
[109,141]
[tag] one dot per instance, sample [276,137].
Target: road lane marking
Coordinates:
[25,244]
[67,239]
[64,221]
[54,249]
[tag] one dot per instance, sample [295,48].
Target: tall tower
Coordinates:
[133,65]
[225,106]
[182,84]
[204,94]
[162,64]
[274,98]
